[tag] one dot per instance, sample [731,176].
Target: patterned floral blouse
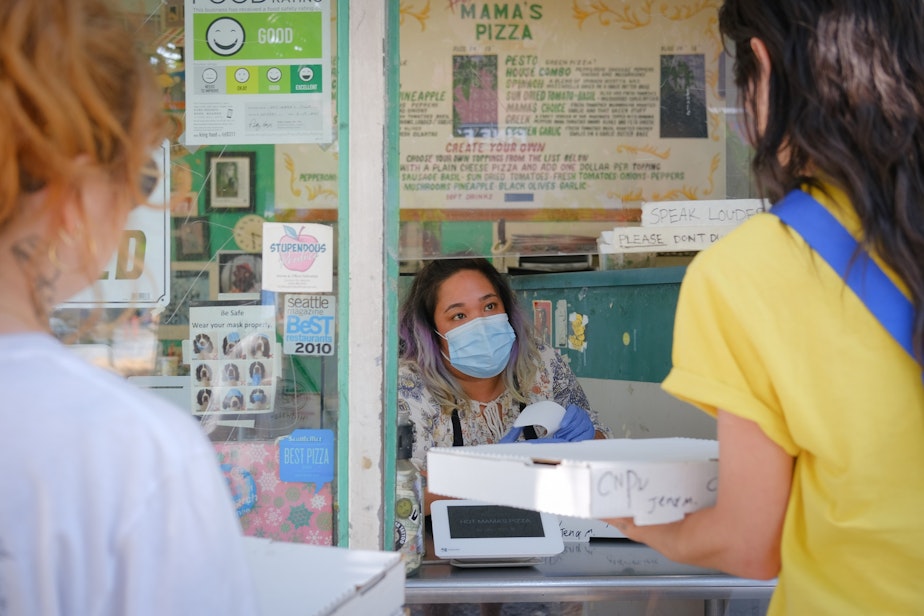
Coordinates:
[484,423]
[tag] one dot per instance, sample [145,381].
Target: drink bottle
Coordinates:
[409,514]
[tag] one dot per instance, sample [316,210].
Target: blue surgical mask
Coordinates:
[481,347]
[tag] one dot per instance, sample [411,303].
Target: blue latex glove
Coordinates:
[511,436]
[575,426]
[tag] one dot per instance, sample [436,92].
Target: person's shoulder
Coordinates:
[409,377]
[109,404]
[408,368]
[749,239]
[99,410]
[551,360]
[147,415]
[545,351]
[760,244]
[760,263]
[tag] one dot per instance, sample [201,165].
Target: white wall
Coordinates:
[634,409]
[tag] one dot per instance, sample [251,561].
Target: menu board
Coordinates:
[579,104]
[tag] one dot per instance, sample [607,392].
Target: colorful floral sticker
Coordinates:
[269,507]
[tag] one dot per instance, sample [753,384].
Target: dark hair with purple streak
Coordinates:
[420,345]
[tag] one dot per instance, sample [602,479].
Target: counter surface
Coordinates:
[586,572]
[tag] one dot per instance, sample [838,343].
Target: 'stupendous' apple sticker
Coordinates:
[298,250]
[297,259]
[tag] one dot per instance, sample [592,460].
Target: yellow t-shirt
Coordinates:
[767,331]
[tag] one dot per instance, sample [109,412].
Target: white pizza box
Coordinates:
[654,481]
[310,580]
[582,530]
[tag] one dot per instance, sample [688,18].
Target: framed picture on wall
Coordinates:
[231,181]
[183,205]
[240,275]
[191,238]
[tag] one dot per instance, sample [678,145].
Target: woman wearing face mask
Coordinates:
[469,363]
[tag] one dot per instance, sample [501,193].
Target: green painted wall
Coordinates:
[630,323]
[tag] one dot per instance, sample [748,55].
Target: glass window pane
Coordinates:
[529,132]
[256,367]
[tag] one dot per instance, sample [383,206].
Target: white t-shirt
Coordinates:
[111,499]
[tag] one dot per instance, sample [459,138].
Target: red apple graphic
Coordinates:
[299,250]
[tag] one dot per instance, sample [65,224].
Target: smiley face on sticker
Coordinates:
[306,73]
[225,36]
[241,75]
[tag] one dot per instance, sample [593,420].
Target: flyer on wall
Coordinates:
[138,274]
[297,257]
[258,72]
[560,104]
[310,325]
[234,365]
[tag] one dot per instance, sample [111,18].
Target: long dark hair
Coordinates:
[419,344]
[846,106]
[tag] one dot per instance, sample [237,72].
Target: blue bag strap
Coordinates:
[828,237]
